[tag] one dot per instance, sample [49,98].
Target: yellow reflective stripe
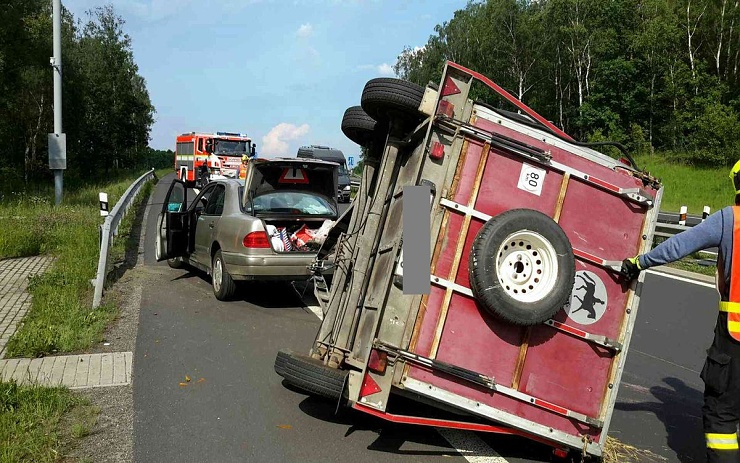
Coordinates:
[733,326]
[722,441]
[732,307]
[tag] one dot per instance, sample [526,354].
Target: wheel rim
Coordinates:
[218,272]
[527,266]
[158,246]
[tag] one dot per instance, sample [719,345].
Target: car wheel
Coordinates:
[176,262]
[358,126]
[223,284]
[394,99]
[522,267]
[311,375]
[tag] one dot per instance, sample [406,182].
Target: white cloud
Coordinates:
[306,30]
[385,69]
[275,143]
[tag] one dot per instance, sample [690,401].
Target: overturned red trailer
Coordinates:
[527,323]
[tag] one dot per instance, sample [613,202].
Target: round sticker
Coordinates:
[588,300]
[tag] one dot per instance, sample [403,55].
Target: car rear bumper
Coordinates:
[288,266]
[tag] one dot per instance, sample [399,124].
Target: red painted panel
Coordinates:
[499,192]
[475,340]
[565,370]
[469,169]
[462,277]
[447,253]
[429,323]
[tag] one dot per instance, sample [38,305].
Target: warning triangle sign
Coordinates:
[293,175]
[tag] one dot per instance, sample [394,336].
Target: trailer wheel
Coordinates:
[394,99]
[522,267]
[311,375]
[358,126]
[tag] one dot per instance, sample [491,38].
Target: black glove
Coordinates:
[631,268]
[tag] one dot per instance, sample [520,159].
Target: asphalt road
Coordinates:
[205,389]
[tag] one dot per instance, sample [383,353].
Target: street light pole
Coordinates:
[57,140]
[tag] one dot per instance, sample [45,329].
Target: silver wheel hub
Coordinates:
[527,266]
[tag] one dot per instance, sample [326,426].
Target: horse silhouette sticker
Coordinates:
[588,300]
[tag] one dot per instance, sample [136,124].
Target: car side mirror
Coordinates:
[209,146]
[254,150]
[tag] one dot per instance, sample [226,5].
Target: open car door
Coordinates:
[173,223]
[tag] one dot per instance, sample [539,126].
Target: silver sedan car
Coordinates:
[266,227]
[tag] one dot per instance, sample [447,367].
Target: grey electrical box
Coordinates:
[57,151]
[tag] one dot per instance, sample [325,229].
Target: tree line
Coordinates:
[651,74]
[107,113]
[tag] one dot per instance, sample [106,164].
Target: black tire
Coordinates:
[392,99]
[494,292]
[311,375]
[176,262]
[223,285]
[358,126]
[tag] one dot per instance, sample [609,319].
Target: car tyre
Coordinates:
[311,375]
[358,126]
[521,267]
[392,99]
[223,285]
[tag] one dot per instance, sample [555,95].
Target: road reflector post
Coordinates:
[682,216]
[705,214]
[103,204]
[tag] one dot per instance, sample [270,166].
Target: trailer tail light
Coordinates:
[450,88]
[369,386]
[256,239]
[378,361]
[560,453]
[446,108]
[437,151]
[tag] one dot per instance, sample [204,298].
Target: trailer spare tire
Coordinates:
[311,375]
[386,98]
[358,126]
[522,267]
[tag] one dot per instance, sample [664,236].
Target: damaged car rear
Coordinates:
[268,227]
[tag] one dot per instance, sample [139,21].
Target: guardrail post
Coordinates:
[682,215]
[705,214]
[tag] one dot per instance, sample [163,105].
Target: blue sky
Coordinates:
[281,71]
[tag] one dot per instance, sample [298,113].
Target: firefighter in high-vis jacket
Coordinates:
[243,168]
[721,372]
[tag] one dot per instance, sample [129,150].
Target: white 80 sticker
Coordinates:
[531,179]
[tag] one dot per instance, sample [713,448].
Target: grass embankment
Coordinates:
[60,318]
[38,424]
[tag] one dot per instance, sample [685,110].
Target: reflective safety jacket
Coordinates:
[732,305]
[242,171]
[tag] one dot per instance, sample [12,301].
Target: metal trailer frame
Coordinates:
[368,313]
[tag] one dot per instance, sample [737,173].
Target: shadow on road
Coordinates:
[680,411]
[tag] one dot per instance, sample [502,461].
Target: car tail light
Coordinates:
[369,386]
[437,151]
[256,239]
[378,361]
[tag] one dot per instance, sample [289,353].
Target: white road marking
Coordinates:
[470,446]
[197,191]
[687,280]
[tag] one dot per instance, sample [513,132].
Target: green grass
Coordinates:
[689,186]
[39,424]
[61,318]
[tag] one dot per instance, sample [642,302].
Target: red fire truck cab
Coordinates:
[193,149]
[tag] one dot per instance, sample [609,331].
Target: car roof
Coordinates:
[294,160]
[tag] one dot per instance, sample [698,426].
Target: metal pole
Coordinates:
[57,12]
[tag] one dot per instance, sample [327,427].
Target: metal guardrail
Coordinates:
[668,226]
[109,229]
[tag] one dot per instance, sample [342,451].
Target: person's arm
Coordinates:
[705,235]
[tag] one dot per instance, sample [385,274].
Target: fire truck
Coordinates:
[193,150]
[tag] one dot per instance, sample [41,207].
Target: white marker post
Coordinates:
[682,216]
[103,204]
[705,214]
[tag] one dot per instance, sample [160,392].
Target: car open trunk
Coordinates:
[302,235]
